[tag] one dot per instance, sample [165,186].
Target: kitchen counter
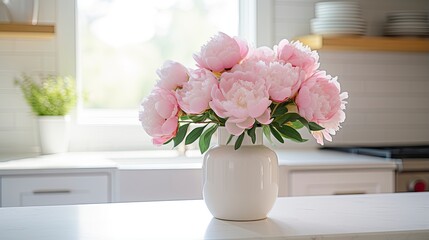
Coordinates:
[167,175]
[373,216]
[292,159]
[55,163]
[325,159]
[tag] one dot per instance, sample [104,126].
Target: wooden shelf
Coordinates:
[26,30]
[366,43]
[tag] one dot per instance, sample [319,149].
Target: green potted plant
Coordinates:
[51,98]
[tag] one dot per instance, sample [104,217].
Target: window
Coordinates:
[122,42]
[117,47]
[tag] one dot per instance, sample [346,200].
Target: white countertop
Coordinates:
[291,159]
[384,216]
[59,161]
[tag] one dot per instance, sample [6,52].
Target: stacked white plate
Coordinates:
[338,18]
[410,23]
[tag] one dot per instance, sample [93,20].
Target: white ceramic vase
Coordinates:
[54,132]
[240,185]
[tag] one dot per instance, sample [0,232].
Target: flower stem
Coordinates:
[275,108]
[184,121]
[216,118]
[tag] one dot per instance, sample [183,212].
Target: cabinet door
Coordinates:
[54,190]
[308,183]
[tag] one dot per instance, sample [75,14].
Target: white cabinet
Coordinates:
[55,189]
[308,183]
[159,184]
[333,173]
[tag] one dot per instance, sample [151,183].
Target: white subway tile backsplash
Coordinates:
[25,119]
[295,29]
[49,64]
[43,45]
[419,85]
[370,72]
[21,62]
[7,121]
[6,45]
[7,79]
[302,10]
[12,100]
[18,141]
[390,102]
[386,117]
[389,91]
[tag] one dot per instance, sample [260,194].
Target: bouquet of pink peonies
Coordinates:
[241,88]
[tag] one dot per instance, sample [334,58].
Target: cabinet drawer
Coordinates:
[54,189]
[337,183]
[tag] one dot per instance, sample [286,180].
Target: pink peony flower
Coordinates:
[221,52]
[284,81]
[264,54]
[242,98]
[319,100]
[172,75]
[256,67]
[195,96]
[256,62]
[298,55]
[159,115]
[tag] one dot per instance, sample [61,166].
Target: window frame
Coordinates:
[117,130]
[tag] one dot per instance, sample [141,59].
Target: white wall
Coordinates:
[389,91]
[18,55]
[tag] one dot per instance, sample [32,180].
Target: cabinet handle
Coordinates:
[53,191]
[350,192]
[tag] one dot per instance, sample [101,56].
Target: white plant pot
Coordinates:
[54,132]
[240,185]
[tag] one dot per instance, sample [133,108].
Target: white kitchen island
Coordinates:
[372,216]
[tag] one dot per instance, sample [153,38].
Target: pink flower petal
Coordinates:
[170,126]
[233,128]
[258,108]
[221,52]
[319,100]
[246,124]
[164,108]
[265,118]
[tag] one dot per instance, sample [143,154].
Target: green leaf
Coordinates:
[267,132]
[290,133]
[171,139]
[304,122]
[239,141]
[296,124]
[194,134]
[48,95]
[276,134]
[206,137]
[229,139]
[180,134]
[198,118]
[314,126]
[288,117]
[280,110]
[252,134]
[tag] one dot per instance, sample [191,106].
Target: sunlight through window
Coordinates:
[121,43]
